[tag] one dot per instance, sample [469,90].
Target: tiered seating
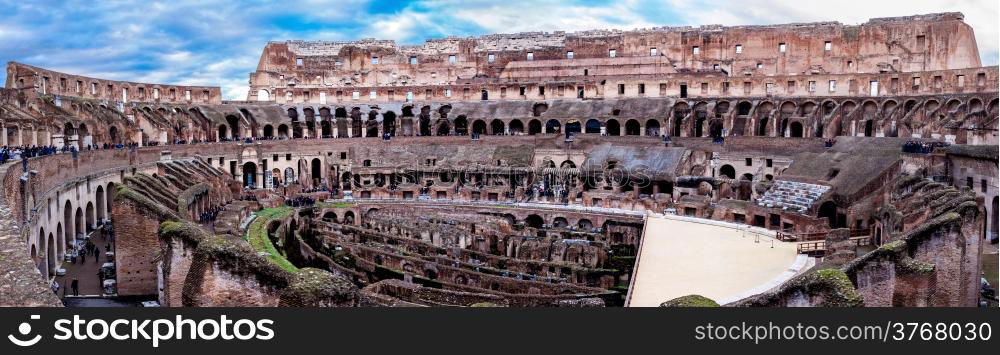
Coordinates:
[790,195]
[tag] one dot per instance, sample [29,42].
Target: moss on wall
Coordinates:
[690,301]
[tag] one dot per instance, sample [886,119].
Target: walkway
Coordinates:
[682,256]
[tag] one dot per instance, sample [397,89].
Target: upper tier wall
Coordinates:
[903,44]
[49,82]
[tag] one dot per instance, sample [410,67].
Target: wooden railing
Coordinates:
[819,247]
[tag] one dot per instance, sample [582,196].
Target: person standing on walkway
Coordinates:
[76,287]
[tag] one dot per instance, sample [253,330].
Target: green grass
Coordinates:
[990,262]
[335,204]
[257,235]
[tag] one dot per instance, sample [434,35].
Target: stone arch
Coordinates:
[496,127]
[560,222]
[479,127]
[515,127]
[101,208]
[68,222]
[91,217]
[585,224]
[250,175]
[632,128]
[743,108]
[795,130]
[829,210]
[534,221]
[110,192]
[461,125]
[613,128]
[553,126]
[573,127]
[534,127]
[389,123]
[652,127]
[79,227]
[592,126]
[727,171]
[539,108]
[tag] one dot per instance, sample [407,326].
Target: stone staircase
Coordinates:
[790,195]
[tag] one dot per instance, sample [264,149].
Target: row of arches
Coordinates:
[79,217]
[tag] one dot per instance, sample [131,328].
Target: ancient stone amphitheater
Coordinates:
[515,170]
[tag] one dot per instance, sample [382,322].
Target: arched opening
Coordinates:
[479,127]
[349,217]
[795,130]
[484,95]
[727,171]
[715,128]
[539,109]
[389,123]
[316,171]
[443,127]
[829,210]
[461,125]
[372,124]
[515,127]
[592,126]
[50,255]
[560,222]
[869,128]
[101,208]
[289,175]
[330,216]
[573,127]
[534,221]
[111,194]
[496,127]
[68,235]
[585,224]
[632,128]
[250,175]
[743,108]
[653,128]
[234,126]
[223,132]
[553,126]
[613,128]
[268,131]
[91,217]
[762,126]
[326,129]
[79,228]
[113,135]
[263,95]
[425,121]
[534,127]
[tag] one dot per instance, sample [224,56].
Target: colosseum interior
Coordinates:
[814,164]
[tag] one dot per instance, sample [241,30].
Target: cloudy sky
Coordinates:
[218,42]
